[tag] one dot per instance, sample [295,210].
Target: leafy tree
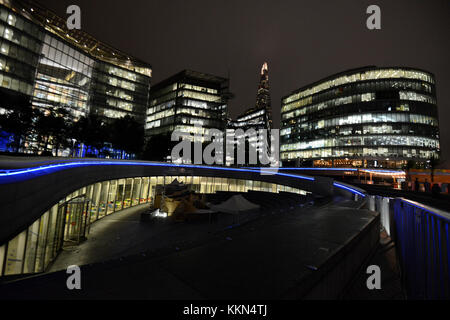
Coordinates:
[90,130]
[127,134]
[410,164]
[157,148]
[19,121]
[433,164]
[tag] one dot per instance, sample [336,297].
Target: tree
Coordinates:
[90,130]
[19,121]
[127,134]
[434,161]
[410,164]
[62,130]
[157,148]
[53,128]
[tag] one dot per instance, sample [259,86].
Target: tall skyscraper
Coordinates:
[263,95]
[258,117]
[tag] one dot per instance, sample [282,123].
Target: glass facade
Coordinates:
[59,68]
[186,100]
[369,113]
[68,221]
[20,48]
[118,92]
[63,77]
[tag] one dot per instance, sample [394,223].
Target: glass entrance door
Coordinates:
[76,219]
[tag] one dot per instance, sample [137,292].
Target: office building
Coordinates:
[366,117]
[53,67]
[189,102]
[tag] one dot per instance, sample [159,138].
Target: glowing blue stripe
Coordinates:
[336,184]
[7,173]
[16,172]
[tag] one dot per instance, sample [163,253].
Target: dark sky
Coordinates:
[303,41]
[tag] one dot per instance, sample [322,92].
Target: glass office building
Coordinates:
[54,67]
[187,101]
[380,117]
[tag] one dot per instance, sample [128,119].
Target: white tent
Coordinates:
[235,205]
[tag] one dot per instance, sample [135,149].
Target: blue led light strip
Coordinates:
[339,185]
[7,173]
[53,167]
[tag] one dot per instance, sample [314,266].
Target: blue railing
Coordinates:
[423,247]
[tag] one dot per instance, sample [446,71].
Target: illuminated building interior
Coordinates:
[68,222]
[186,100]
[363,117]
[60,68]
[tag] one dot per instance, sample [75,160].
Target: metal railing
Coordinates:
[421,236]
[423,246]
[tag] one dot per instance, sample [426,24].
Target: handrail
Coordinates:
[437,212]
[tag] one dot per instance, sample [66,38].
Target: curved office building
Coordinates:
[376,117]
[36,221]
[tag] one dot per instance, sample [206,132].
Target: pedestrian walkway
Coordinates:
[385,258]
[122,234]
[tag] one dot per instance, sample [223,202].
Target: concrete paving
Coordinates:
[263,259]
[123,234]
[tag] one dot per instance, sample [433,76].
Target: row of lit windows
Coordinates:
[160,107]
[19,38]
[115,82]
[110,113]
[414,96]
[188,86]
[119,94]
[74,98]
[351,152]
[362,76]
[199,96]
[20,23]
[252,115]
[17,69]
[52,92]
[365,97]
[36,247]
[326,104]
[21,54]
[119,104]
[197,112]
[363,141]
[196,104]
[160,115]
[188,120]
[383,87]
[15,84]
[122,73]
[368,118]
[408,129]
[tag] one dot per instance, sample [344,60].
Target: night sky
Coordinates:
[303,41]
